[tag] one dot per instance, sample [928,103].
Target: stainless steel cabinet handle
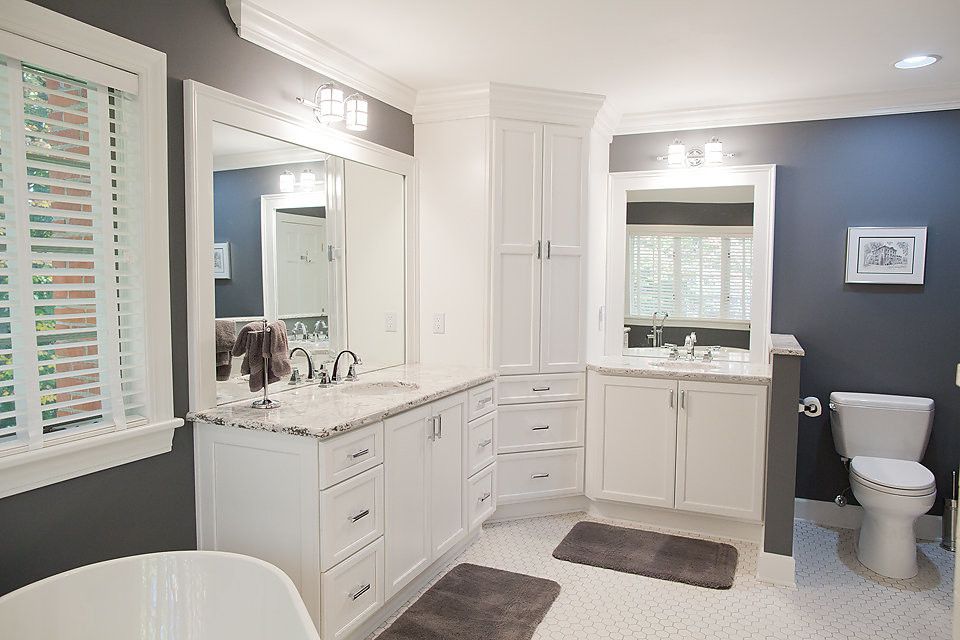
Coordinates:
[483,401]
[485,443]
[360,454]
[484,497]
[683,399]
[359,592]
[542,427]
[548,249]
[360,516]
[440,426]
[433,428]
[671,398]
[539,252]
[541,388]
[539,475]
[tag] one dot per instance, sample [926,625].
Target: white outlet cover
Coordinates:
[390,322]
[439,323]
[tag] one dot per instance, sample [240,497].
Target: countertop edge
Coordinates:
[324,434]
[702,376]
[785,344]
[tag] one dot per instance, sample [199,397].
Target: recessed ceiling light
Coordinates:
[915,62]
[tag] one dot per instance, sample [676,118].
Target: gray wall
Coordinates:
[899,170]
[236,219]
[148,505]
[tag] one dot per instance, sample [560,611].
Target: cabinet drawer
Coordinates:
[540,474]
[534,427]
[540,388]
[351,592]
[351,516]
[481,496]
[345,456]
[482,443]
[481,400]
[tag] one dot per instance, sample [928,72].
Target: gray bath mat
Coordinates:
[476,603]
[657,555]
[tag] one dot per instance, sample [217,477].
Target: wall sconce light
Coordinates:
[289,182]
[711,154]
[329,107]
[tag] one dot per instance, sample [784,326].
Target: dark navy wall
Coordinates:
[898,170]
[148,505]
[236,219]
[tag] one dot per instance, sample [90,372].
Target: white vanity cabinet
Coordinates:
[678,444]
[353,518]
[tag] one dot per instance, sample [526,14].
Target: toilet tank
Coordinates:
[881,426]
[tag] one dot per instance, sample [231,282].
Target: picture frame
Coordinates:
[886,255]
[221,260]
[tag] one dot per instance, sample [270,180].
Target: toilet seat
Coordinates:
[895,477]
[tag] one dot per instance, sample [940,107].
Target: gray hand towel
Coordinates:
[226,339]
[252,342]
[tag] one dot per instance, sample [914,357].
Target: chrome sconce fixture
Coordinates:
[289,182]
[329,107]
[711,154]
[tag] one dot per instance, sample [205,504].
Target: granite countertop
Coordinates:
[716,371]
[785,344]
[323,412]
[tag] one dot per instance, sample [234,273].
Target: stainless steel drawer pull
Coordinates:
[541,388]
[360,516]
[359,592]
[683,399]
[485,443]
[485,496]
[539,475]
[483,401]
[542,427]
[360,454]
[671,398]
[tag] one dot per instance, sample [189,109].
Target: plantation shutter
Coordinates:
[72,339]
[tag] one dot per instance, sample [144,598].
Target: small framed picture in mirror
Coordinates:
[886,255]
[221,260]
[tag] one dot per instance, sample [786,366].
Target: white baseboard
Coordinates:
[539,508]
[680,521]
[776,569]
[828,514]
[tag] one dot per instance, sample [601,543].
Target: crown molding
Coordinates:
[268,30]
[498,100]
[271,158]
[849,106]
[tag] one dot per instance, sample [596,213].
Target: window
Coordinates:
[82,321]
[690,272]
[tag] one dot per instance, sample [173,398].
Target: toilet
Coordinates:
[884,438]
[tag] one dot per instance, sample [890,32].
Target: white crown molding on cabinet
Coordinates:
[828,108]
[268,30]
[270,158]
[499,100]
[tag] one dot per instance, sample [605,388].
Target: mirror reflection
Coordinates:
[688,273]
[313,241]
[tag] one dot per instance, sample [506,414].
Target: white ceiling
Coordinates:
[650,56]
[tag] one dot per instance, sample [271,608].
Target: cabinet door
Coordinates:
[721,432]
[406,496]
[447,474]
[564,231]
[518,250]
[632,440]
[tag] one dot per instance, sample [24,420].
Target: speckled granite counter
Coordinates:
[324,412]
[785,344]
[716,371]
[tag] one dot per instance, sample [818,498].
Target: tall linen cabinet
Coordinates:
[504,208]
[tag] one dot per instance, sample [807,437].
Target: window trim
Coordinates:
[23,468]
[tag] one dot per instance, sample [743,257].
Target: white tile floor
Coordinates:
[835,597]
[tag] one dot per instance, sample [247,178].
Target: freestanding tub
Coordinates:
[181,595]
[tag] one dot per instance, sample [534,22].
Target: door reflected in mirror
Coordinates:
[689,262]
[312,240]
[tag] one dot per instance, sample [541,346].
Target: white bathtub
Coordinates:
[181,595]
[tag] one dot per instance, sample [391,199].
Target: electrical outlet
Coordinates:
[390,322]
[439,323]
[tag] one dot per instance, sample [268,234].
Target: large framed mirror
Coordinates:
[289,221]
[689,260]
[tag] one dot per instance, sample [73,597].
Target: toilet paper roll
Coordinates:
[810,406]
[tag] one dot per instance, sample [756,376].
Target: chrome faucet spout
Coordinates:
[310,371]
[335,377]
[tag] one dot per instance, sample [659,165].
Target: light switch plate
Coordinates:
[439,323]
[390,322]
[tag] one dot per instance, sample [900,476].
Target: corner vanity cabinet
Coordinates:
[356,517]
[688,445]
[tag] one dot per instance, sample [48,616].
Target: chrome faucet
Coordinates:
[656,338]
[310,371]
[299,329]
[335,378]
[320,328]
[690,344]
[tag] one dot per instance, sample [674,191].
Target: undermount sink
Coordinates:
[379,388]
[687,365]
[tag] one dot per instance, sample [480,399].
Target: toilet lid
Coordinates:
[895,474]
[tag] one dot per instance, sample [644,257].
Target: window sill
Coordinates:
[28,470]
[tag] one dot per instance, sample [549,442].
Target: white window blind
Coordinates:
[691,272]
[72,346]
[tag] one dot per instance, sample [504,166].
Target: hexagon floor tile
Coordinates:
[835,596]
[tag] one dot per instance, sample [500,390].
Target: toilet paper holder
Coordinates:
[810,406]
